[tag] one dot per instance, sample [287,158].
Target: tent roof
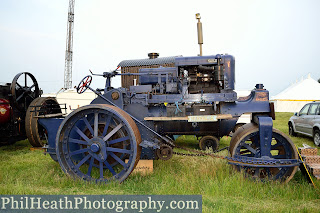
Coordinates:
[307,89]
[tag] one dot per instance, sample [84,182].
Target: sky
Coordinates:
[274,42]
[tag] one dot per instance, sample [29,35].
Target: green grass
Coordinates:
[223,189]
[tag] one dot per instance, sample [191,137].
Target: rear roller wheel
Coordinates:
[45,106]
[98,143]
[247,143]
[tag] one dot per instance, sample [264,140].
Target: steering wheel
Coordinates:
[84,84]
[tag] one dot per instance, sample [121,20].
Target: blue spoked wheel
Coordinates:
[246,142]
[98,143]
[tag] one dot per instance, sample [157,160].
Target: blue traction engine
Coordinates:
[104,141]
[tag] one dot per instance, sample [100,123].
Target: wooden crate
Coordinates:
[143,167]
[308,151]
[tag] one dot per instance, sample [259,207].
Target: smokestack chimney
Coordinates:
[153,55]
[200,36]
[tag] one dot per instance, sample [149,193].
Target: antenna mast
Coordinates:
[69,45]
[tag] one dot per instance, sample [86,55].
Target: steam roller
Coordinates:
[159,99]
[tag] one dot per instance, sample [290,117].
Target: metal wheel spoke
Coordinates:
[249,148]
[96,124]
[101,169]
[118,159]
[31,96]
[279,156]
[24,92]
[33,85]
[111,149]
[72,140]
[118,140]
[110,168]
[90,166]
[268,172]
[88,125]
[246,155]
[256,172]
[25,80]
[82,161]
[79,152]
[106,126]
[112,132]
[275,146]
[19,85]
[82,134]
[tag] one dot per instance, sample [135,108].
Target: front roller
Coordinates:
[98,142]
[39,106]
[276,166]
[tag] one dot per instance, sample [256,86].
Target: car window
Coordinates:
[304,110]
[318,111]
[313,109]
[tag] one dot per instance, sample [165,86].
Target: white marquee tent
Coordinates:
[293,98]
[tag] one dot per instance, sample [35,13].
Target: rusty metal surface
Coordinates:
[262,96]
[46,106]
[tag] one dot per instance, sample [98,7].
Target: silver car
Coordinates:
[307,122]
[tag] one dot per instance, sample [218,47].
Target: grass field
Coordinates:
[223,190]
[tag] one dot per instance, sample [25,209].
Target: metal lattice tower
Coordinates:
[69,45]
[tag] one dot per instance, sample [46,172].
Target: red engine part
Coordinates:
[5,111]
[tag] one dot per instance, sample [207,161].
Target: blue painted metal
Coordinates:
[227,60]
[140,103]
[51,125]
[168,74]
[147,62]
[265,129]
[262,162]
[260,157]
[196,86]
[85,143]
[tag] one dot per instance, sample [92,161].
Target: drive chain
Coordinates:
[200,153]
[230,159]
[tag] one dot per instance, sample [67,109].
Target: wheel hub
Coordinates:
[165,152]
[95,147]
[98,149]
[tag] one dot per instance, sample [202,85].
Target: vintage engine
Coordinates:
[15,98]
[195,87]
[195,97]
[205,76]
[105,140]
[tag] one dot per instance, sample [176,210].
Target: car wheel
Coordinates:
[291,131]
[316,137]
